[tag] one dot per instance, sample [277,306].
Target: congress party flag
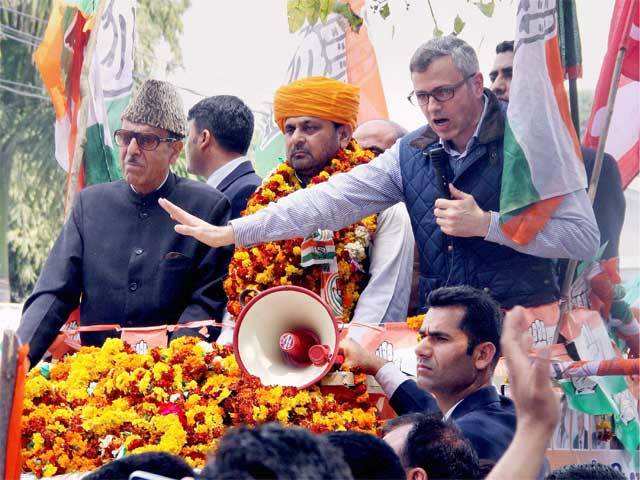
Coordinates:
[542,158]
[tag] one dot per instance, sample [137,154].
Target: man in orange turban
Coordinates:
[373,256]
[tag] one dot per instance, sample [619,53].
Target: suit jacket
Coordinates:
[120,259]
[238,187]
[487,419]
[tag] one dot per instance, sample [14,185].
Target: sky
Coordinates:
[243,47]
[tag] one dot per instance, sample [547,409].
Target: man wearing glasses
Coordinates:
[118,256]
[456,228]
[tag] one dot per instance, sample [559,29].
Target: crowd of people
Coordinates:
[404,242]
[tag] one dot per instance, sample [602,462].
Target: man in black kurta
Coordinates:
[118,255]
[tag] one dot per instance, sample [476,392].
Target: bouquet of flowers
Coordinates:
[103,403]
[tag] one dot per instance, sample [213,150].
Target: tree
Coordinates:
[31,181]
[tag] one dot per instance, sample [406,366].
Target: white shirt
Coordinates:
[221,173]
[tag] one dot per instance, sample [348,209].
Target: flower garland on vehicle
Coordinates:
[278,263]
[102,403]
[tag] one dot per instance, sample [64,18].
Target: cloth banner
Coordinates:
[623,140]
[328,49]
[542,158]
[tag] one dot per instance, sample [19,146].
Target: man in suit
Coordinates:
[220,130]
[609,204]
[118,256]
[458,351]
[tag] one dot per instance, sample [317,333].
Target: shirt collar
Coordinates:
[159,186]
[450,411]
[221,173]
[448,145]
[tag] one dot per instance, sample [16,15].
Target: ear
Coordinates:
[176,148]
[205,139]
[483,355]
[417,473]
[345,132]
[477,84]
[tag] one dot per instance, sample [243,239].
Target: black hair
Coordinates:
[368,457]
[396,422]
[482,321]
[227,118]
[440,449]
[161,463]
[274,451]
[586,471]
[506,46]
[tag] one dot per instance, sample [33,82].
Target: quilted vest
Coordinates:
[512,278]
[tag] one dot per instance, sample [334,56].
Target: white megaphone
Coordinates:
[286,336]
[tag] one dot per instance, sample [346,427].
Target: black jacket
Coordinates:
[487,419]
[119,257]
[238,187]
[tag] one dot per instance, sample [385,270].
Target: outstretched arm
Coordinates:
[334,204]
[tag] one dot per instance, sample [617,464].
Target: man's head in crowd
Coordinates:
[378,135]
[160,463]
[460,342]
[368,456]
[502,70]
[431,448]
[447,86]
[273,451]
[317,116]
[150,140]
[586,471]
[220,129]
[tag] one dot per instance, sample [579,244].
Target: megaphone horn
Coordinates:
[286,336]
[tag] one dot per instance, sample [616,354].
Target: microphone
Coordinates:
[438,158]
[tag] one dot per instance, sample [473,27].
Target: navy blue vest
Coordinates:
[511,277]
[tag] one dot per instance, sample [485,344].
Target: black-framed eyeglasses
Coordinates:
[146,141]
[441,94]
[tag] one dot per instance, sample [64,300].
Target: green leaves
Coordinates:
[385,11]
[437,32]
[458,25]
[486,8]
[318,10]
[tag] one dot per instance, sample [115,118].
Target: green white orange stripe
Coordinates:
[542,158]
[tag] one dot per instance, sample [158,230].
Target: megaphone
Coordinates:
[286,336]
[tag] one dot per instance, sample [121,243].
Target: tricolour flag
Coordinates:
[59,60]
[586,332]
[623,140]
[542,158]
[65,61]
[328,49]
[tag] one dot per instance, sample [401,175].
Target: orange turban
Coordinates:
[320,97]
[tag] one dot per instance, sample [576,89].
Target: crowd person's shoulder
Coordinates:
[160,463]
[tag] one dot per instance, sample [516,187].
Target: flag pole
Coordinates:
[593,187]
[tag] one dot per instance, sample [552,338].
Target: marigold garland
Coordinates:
[101,403]
[278,263]
[415,322]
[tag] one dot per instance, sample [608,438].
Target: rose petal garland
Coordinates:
[102,403]
[278,263]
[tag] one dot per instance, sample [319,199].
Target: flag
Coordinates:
[60,59]
[569,39]
[623,140]
[328,49]
[587,335]
[110,86]
[542,158]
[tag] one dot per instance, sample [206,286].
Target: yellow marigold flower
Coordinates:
[260,413]
[268,194]
[49,470]
[292,270]
[415,322]
[159,369]
[283,415]
[38,441]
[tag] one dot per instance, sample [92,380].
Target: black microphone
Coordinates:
[439,159]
